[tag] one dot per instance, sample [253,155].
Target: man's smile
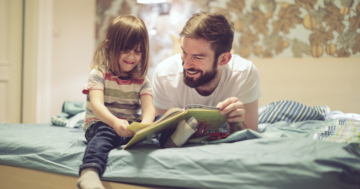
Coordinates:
[192,72]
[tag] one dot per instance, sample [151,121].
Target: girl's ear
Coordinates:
[106,43]
[224,58]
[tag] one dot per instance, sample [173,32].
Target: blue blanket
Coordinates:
[284,155]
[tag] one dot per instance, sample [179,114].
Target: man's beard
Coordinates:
[202,80]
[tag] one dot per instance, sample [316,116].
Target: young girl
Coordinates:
[116,83]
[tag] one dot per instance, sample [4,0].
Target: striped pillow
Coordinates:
[290,111]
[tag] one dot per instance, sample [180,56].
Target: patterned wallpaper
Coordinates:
[263,28]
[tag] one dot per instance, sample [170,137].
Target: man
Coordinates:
[207,73]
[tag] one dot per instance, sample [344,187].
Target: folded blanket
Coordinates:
[291,111]
[72,115]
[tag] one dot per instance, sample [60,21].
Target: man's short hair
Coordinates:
[213,27]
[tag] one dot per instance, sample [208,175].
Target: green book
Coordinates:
[170,119]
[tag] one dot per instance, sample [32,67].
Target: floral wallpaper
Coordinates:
[263,28]
[306,27]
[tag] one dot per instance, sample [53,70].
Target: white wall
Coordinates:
[333,82]
[73,47]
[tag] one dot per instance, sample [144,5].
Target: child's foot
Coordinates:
[89,179]
[183,132]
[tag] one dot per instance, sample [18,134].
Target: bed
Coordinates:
[312,152]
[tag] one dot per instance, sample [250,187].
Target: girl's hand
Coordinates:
[121,129]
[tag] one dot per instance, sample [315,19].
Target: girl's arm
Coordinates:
[147,108]
[99,109]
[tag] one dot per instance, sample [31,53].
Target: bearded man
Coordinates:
[207,73]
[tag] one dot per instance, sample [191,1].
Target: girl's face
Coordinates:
[128,59]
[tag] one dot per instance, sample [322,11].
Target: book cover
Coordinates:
[170,119]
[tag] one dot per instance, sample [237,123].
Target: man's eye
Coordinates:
[197,57]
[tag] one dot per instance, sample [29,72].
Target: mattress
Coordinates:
[281,155]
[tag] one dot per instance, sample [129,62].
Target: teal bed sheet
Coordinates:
[283,155]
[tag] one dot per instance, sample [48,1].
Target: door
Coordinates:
[11,15]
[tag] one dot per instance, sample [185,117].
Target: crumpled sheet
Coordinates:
[276,158]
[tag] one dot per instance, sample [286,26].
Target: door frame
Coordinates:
[37,61]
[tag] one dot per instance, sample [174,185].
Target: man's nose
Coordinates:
[188,63]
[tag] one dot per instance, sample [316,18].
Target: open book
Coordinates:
[170,119]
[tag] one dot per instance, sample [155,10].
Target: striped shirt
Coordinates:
[121,95]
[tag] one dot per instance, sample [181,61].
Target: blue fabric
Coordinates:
[72,115]
[102,139]
[284,110]
[73,107]
[283,156]
[290,111]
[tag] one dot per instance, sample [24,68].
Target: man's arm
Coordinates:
[235,114]
[251,117]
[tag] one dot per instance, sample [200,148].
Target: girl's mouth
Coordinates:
[126,62]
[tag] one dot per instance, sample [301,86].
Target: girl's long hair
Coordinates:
[124,32]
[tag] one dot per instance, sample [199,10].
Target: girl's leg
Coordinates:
[89,179]
[102,140]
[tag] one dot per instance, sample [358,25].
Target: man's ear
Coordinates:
[224,58]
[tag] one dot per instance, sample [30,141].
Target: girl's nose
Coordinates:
[131,54]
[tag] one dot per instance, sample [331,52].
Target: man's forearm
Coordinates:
[232,128]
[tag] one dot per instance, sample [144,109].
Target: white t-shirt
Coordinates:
[239,78]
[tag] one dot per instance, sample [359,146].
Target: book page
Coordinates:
[136,126]
[170,119]
[169,113]
[167,121]
[212,117]
[198,106]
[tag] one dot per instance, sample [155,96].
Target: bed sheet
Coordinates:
[282,156]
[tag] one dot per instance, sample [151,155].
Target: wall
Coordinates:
[73,47]
[75,36]
[325,81]
[37,59]
[305,50]
[263,29]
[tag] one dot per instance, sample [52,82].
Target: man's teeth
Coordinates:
[192,72]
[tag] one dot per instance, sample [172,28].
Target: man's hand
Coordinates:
[121,129]
[234,111]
